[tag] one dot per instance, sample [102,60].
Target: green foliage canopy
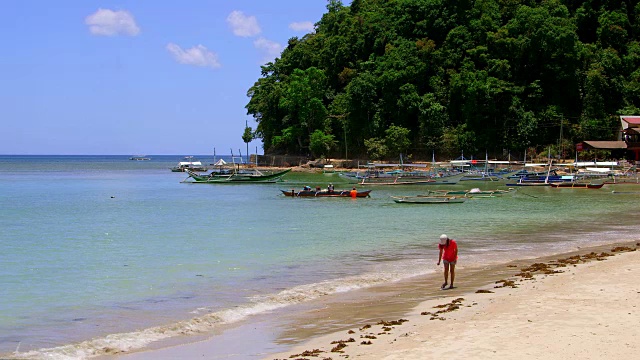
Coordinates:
[455,76]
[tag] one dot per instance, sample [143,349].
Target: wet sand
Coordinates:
[568,307]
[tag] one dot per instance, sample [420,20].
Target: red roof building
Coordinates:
[630,121]
[628,139]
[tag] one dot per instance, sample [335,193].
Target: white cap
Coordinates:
[443,239]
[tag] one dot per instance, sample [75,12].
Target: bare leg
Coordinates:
[453,273]
[446,274]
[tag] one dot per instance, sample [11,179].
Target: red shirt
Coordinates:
[449,253]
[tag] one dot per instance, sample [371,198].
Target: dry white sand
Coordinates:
[589,311]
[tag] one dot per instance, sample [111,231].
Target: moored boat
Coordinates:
[236,177]
[429,199]
[410,180]
[189,163]
[528,184]
[469,193]
[574,185]
[403,174]
[324,193]
[480,176]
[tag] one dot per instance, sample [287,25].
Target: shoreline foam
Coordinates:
[363,308]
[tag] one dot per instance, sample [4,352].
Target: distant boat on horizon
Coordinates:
[189,163]
[139,158]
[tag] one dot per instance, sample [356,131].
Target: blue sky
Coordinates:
[137,76]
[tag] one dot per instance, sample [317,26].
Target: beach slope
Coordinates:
[585,308]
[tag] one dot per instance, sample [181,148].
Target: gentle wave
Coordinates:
[131,341]
[202,324]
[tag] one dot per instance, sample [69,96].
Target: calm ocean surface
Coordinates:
[122,252]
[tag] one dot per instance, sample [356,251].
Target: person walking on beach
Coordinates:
[449,256]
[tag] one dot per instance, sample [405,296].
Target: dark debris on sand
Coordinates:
[526,273]
[307,353]
[505,283]
[482,291]
[341,344]
[445,308]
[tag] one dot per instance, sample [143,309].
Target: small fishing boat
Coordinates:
[328,169]
[236,177]
[429,199]
[574,185]
[480,176]
[410,180]
[528,184]
[324,193]
[375,175]
[189,163]
[469,193]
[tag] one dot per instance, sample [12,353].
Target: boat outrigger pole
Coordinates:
[546,180]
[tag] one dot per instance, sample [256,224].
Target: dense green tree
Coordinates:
[264,106]
[612,31]
[432,119]
[362,95]
[302,99]
[458,139]
[247,136]
[376,148]
[397,140]
[459,76]
[321,144]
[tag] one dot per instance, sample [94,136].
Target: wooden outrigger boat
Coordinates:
[574,185]
[325,193]
[375,176]
[475,192]
[429,199]
[236,177]
[410,180]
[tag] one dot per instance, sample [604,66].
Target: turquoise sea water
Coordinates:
[101,249]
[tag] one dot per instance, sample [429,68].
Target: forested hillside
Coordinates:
[383,77]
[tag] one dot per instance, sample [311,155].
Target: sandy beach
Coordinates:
[576,308]
[581,305]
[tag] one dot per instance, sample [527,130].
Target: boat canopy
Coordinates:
[600,170]
[597,163]
[192,163]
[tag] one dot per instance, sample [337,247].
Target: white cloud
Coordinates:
[108,22]
[269,49]
[302,26]
[242,25]
[197,56]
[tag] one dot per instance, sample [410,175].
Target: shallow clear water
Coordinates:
[100,245]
